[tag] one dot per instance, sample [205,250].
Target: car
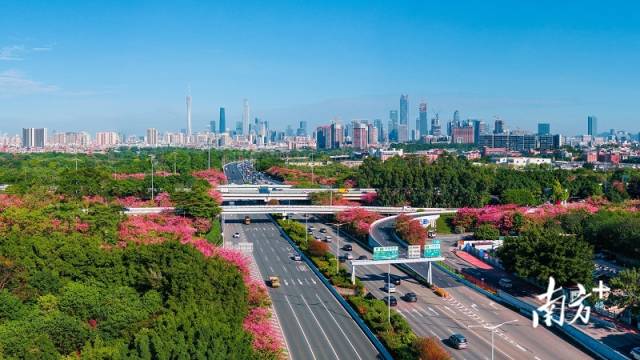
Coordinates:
[390,300]
[310,231]
[312,227]
[458,341]
[370,296]
[317,237]
[347,247]
[274,281]
[323,230]
[236,235]
[349,256]
[635,353]
[297,257]
[505,283]
[389,288]
[410,297]
[328,238]
[363,257]
[395,279]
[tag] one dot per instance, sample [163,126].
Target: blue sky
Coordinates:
[126,65]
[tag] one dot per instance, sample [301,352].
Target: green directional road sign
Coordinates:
[385,253]
[432,250]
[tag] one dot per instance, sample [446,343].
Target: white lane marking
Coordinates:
[433,333]
[417,312]
[320,326]
[285,282]
[299,325]
[433,311]
[493,305]
[521,348]
[313,281]
[271,268]
[451,311]
[474,307]
[307,281]
[537,358]
[299,281]
[338,325]
[284,268]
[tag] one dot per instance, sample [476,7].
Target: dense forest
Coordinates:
[453,181]
[80,279]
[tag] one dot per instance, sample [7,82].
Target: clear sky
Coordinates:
[126,65]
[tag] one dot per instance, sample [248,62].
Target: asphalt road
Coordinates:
[438,317]
[314,324]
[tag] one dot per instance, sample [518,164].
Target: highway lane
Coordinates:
[541,343]
[315,325]
[435,316]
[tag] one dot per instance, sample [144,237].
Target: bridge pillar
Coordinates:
[429,279]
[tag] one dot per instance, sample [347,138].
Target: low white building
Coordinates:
[522,161]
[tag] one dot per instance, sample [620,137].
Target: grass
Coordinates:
[214,235]
[444,224]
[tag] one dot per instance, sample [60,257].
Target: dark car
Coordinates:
[363,257]
[347,247]
[395,279]
[410,297]
[390,300]
[323,230]
[370,296]
[458,341]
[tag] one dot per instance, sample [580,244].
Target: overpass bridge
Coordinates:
[284,192]
[296,209]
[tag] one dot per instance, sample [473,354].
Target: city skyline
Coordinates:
[539,64]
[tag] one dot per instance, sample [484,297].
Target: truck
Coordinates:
[247,220]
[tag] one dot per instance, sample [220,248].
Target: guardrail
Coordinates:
[372,337]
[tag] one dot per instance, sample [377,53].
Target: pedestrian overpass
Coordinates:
[296,209]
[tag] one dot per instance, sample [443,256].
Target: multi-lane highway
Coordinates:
[314,323]
[517,340]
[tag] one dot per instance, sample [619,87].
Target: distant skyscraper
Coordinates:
[393,125]
[499,127]
[415,134]
[302,130]
[423,121]
[403,129]
[544,129]
[592,125]
[479,128]
[34,138]
[456,118]
[189,115]
[245,117]
[436,129]
[223,121]
[212,126]
[372,133]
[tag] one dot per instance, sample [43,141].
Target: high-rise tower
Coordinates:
[403,129]
[592,125]
[223,121]
[189,115]
[424,126]
[245,117]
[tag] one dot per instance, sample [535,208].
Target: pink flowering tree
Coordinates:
[358,220]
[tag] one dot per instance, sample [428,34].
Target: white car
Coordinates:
[389,288]
[348,256]
[505,283]
[328,238]
[236,235]
[297,257]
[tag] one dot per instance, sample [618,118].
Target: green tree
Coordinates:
[627,284]
[486,232]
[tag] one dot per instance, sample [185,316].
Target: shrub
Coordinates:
[318,248]
[486,232]
[431,349]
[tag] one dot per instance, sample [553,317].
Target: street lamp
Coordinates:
[493,330]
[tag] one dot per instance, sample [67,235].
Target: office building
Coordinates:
[337,135]
[456,117]
[34,137]
[403,127]
[498,127]
[592,125]
[423,126]
[323,137]
[462,134]
[393,125]
[302,130]
[380,129]
[223,121]
[372,133]
[544,128]
[479,128]
[245,117]
[360,137]
[436,129]
[212,126]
